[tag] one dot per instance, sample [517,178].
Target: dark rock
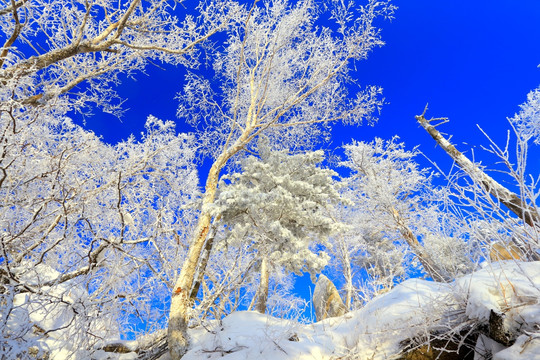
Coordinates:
[455,347]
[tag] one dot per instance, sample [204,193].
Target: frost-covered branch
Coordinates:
[511,200]
[75,44]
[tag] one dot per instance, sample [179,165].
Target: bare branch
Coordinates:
[11,9]
[16,32]
[511,200]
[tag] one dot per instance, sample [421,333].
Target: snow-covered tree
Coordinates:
[479,196]
[527,121]
[283,75]
[397,212]
[279,204]
[88,229]
[62,55]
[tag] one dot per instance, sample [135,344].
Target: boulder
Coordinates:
[508,251]
[326,299]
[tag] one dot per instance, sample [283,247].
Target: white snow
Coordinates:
[376,331]
[506,286]
[525,348]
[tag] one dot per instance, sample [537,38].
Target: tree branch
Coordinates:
[511,200]
[14,36]
[13,7]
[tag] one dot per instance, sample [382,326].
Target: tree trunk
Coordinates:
[511,200]
[429,265]
[204,262]
[347,273]
[262,292]
[181,297]
[181,300]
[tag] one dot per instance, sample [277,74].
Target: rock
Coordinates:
[326,299]
[508,251]
[444,349]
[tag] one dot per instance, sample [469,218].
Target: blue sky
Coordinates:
[472,61]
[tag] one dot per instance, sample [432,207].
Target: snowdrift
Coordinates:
[413,309]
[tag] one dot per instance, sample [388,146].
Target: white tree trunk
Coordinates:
[262,293]
[181,301]
[348,281]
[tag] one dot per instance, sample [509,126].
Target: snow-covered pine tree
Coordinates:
[282,75]
[280,204]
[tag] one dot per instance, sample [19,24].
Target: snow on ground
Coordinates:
[375,331]
[526,347]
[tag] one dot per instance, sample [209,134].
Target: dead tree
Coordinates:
[508,198]
[527,213]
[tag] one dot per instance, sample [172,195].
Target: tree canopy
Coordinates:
[104,243]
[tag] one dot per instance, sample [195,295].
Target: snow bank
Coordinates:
[506,287]
[374,331]
[512,289]
[412,308]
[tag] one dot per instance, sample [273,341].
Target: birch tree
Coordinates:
[395,201]
[72,52]
[74,222]
[528,213]
[280,74]
[88,229]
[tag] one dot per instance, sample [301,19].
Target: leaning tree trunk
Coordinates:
[511,200]
[201,270]
[181,301]
[427,262]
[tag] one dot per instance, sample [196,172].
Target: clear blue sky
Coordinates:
[473,61]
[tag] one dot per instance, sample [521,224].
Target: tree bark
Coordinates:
[181,300]
[347,273]
[511,200]
[204,263]
[262,293]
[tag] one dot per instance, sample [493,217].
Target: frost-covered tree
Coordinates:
[527,121]
[88,228]
[397,206]
[280,205]
[281,74]
[65,55]
[89,233]
[480,196]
